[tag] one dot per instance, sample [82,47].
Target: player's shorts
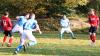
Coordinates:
[8,33]
[27,34]
[92,29]
[17,28]
[68,30]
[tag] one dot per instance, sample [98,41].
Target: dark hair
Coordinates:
[24,14]
[6,13]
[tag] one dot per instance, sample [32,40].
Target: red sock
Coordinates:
[91,37]
[4,39]
[94,38]
[10,40]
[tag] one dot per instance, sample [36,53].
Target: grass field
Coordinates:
[49,44]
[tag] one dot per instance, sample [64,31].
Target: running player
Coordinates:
[20,22]
[29,26]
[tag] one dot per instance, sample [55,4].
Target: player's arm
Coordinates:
[89,21]
[38,28]
[68,22]
[10,24]
[17,17]
[61,23]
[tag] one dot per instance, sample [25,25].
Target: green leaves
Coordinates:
[75,3]
[40,7]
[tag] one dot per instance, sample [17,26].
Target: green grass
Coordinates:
[49,44]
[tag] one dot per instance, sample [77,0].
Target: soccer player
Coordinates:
[65,24]
[7,27]
[94,24]
[20,22]
[29,26]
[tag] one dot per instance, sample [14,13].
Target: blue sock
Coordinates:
[19,48]
[31,43]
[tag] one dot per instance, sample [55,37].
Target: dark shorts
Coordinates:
[92,29]
[8,33]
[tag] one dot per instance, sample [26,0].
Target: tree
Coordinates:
[41,7]
[94,4]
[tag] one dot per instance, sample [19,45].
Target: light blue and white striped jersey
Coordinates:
[30,24]
[65,23]
[21,20]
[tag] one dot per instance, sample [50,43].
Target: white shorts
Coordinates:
[27,34]
[68,30]
[17,28]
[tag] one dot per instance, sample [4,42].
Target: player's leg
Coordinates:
[11,38]
[32,39]
[20,46]
[15,29]
[5,37]
[92,38]
[92,35]
[4,40]
[20,31]
[68,30]
[61,33]
[72,34]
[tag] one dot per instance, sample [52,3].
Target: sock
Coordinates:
[31,43]
[72,34]
[10,40]
[61,36]
[4,39]
[94,38]
[91,38]
[19,48]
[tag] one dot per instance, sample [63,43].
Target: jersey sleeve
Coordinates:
[10,24]
[88,17]
[89,20]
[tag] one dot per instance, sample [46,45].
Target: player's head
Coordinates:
[26,15]
[92,12]
[32,16]
[6,13]
[64,17]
